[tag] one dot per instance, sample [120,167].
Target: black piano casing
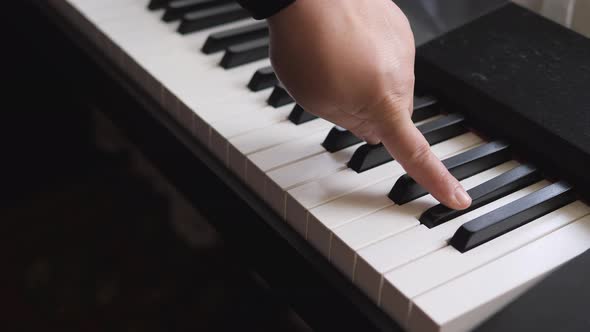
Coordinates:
[518,76]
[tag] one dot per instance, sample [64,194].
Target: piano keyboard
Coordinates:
[429,268]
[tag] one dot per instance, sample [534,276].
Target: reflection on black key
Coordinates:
[510,216]
[245,53]
[157,4]
[487,192]
[263,78]
[425,107]
[279,97]
[176,9]
[221,40]
[461,166]
[339,138]
[211,17]
[370,156]
[299,115]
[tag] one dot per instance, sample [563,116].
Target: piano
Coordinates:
[502,99]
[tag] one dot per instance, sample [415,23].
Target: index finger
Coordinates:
[408,146]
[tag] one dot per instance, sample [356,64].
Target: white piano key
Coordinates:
[273,135]
[439,267]
[481,292]
[351,237]
[315,193]
[284,178]
[322,219]
[376,259]
[258,164]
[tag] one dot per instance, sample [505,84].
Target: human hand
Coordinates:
[351,62]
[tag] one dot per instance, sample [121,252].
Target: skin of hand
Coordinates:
[351,62]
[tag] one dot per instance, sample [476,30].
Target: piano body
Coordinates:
[502,99]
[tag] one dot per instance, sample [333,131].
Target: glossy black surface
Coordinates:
[211,17]
[263,78]
[339,138]
[425,107]
[247,52]
[221,40]
[279,97]
[298,115]
[487,192]
[512,215]
[176,9]
[370,156]
[157,4]
[460,166]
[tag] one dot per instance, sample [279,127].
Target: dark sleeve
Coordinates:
[261,9]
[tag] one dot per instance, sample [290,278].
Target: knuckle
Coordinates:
[420,155]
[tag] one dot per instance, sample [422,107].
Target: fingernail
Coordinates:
[462,198]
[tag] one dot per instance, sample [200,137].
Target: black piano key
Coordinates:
[279,97]
[460,166]
[425,107]
[263,78]
[211,17]
[221,40]
[487,192]
[510,216]
[339,138]
[370,156]
[298,115]
[247,52]
[176,9]
[157,4]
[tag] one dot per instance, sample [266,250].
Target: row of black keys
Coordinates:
[250,43]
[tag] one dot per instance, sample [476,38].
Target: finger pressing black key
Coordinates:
[157,4]
[176,9]
[298,115]
[460,166]
[263,78]
[425,107]
[370,156]
[487,192]
[211,17]
[224,39]
[279,97]
[510,216]
[339,138]
[247,52]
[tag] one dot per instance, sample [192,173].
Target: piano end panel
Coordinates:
[296,215]
[342,256]
[395,304]
[367,278]
[256,178]
[318,235]
[276,197]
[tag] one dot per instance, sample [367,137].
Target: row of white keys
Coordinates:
[258,164]
[349,238]
[176,62]
[375,260]
[279,180]
[465,301]
[316,193]
[224,130]
[418,277]
[279,133]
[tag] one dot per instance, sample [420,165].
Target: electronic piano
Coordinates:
[502,100]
